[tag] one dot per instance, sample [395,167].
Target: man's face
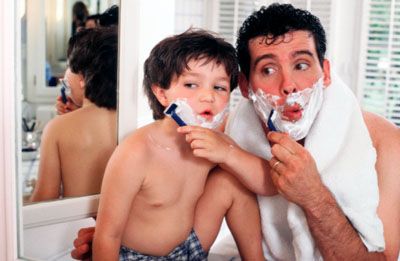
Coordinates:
[288,66]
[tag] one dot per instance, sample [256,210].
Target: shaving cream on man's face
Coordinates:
[304,104]
[183,114]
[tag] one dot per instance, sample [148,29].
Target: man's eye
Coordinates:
[268,70]
[190,85]
[220,88]
[302,66]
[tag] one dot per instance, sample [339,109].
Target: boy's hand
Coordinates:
[83,244]
[209,144]
[65,107]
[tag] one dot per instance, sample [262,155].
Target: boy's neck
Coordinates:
[169,127]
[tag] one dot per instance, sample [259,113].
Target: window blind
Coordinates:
[380,84]
[189,13]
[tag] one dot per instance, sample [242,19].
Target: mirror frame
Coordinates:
[8,134]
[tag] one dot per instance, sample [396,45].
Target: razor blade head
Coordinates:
[63,95]
[171,111]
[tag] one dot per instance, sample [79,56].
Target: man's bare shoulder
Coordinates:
[383,133]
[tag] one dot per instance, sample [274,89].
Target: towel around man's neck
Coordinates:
[342,149]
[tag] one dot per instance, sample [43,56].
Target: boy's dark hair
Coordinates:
[171,56]
[274,21]
[94,54]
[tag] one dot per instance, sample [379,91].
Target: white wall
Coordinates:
[345,39]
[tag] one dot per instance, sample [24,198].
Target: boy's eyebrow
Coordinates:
[190,73]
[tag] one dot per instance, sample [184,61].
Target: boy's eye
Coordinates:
[220,88]
[302,66]
[268,70]
[190,85]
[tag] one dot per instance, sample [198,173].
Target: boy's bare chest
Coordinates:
[175,178]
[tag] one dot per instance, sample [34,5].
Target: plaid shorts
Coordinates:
[189,250]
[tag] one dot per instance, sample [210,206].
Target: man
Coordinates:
[281,54]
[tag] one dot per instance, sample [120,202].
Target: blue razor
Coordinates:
[170,111]
[271,126]
[63,95]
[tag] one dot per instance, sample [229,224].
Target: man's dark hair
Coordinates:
[171,56]
[275,21]
[94,54]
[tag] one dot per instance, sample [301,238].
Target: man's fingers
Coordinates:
[81,253]
[86,230]
[285,140]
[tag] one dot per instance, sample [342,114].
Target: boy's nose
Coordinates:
[207,96]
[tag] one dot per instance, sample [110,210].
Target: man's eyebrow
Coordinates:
[264,56]
[302,52]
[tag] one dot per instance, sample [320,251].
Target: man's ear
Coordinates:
[160,94]
[244,85]
[327,72]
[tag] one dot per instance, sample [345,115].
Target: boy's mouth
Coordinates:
[292,113]
[207,114]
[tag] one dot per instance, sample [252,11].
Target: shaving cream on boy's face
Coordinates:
[296,115]
[185,112]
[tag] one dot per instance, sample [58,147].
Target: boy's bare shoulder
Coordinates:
[136,143]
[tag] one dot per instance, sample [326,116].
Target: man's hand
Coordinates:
[293,171]
[63,108]
[210,144]
[83,244]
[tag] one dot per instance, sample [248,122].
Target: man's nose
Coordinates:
[288,86]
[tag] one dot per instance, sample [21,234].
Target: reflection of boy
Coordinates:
[153,181]
[82,141]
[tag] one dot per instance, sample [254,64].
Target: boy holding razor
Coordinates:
[154,180]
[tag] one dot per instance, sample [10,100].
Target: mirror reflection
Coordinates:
[65,147]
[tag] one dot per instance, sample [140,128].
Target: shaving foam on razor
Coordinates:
[183,114]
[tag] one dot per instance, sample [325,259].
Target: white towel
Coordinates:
[342,148]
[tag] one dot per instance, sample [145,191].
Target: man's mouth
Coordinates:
[292,113]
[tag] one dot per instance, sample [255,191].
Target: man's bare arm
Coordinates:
[335,236]
[298,180]
[386,140]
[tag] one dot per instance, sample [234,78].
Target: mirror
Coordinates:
[65,155]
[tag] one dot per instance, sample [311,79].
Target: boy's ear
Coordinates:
[81,81]
[160,94]
[244,85]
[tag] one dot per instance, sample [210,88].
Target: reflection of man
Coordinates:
[76,146]
[328,189]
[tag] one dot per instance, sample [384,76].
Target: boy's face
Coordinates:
[205,86]
[76,84]
[290,65]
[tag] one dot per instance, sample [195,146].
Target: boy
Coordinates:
[70,143]
[153,180]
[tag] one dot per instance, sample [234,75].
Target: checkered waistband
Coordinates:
[191,250]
